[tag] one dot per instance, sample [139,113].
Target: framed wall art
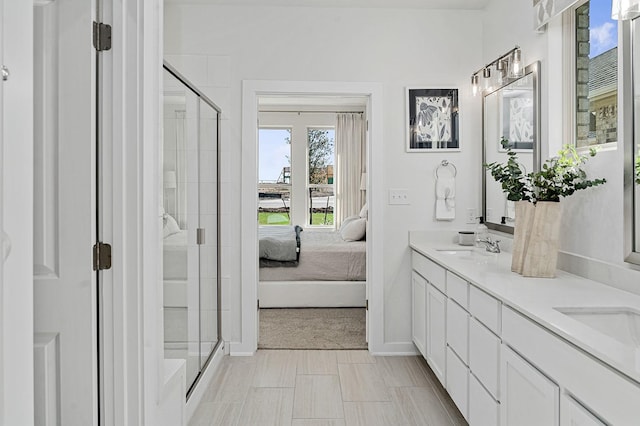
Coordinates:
[432,120]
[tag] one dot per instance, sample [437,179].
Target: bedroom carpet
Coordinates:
[312,328]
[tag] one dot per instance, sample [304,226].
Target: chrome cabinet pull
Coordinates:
[5,73]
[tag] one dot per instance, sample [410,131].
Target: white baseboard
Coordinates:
[394,349]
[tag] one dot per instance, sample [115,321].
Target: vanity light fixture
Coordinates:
[517,70]
[508,65]
[474,84]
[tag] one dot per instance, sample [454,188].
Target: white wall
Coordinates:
[219,46]
[592,227]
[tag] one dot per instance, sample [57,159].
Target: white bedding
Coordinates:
[324,256]
[174,250]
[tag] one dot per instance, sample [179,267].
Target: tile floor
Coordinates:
[281,387]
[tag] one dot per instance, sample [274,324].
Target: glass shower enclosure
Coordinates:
[190,212]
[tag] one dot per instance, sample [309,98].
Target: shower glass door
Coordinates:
[191,278]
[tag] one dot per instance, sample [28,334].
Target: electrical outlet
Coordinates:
[398,196]
[471,215]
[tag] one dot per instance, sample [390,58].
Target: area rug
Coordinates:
[312,328]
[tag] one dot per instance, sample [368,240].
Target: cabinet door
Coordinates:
[528,397]
[484,356]
[483,409]
[574,414]
[418,326]
[458,330]
[436,332]
[458,382]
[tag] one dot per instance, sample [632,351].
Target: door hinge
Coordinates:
[200,236]
[101,256]
[258,304]
[366,304]
[101,36]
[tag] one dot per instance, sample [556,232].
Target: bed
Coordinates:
[330,272]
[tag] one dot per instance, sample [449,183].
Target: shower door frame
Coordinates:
[175,73]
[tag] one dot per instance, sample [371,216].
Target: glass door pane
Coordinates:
[180,219]
[208,192]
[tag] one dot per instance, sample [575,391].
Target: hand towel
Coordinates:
[445,198]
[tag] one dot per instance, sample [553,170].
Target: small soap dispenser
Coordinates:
[482,232]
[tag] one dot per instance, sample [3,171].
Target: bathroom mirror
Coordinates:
[512,112]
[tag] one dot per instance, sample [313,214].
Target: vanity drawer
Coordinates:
[431,271]
[483,409]
[484,356]
[458,330]
[458,382]
[458,290]
[485,308]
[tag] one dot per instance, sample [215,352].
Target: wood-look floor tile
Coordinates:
[317,362]
[318,422]
[355,357]
[231,383]
[216,414]
[317,397]
[275,369]
[420,406]
[372,414]
[362,382]
[401,371]
[267,406]
[441,393]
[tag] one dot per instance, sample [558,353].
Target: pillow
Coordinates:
[170,226]
[364,212]
[354,230]
[347,221]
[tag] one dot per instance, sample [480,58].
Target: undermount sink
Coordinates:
[621,324]
[479,256]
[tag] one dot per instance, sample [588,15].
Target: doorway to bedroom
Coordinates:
[312,221]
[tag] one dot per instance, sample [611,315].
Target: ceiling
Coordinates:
[392,4]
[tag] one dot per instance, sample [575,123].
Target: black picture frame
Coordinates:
[432,120]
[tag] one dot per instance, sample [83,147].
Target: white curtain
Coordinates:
[350,164]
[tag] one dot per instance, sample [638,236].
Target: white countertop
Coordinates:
[536,298]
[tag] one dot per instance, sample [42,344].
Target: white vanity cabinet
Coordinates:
[429,312]
[585,391]
[508,358]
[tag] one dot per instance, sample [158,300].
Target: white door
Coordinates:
[65,223]
[16,320]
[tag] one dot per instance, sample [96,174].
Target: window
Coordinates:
[596,74]
[274,176]
[320,176]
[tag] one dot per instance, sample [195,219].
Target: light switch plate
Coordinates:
[398,196]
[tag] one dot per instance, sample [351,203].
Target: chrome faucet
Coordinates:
[492,246]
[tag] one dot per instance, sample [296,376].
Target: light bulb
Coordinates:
[474,84]
[516,65]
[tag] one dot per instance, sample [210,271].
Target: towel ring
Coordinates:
[446,163]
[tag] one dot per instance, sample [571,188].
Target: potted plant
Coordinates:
[538,209]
